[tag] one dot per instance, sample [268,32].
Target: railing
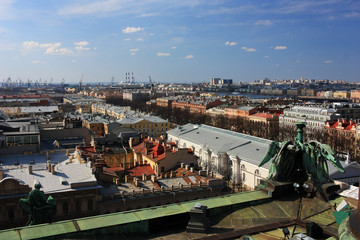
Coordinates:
[153,191]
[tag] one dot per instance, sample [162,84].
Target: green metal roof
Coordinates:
[9,234]
[107,220]
[45,230]
[113,219]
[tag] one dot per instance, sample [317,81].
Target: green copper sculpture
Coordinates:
[298,161]
[39,209]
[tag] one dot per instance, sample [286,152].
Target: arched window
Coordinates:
[257,172]
[242,167]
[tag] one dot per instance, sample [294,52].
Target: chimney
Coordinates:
[131,142]
[48,165]
[136,182]
[187,167]
[30,169]
[153,178]
[182,165]
[52,168]
[192,169]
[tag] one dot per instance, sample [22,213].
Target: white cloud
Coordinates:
[189,56]
[140,39]
[132,53]
[266,56]
[73,60]
[83,43]
[58,51]
[352,15]
[134,49]
[173,47]
[230,43]
[81,48]
[264,22]
[160,54]
[35,61]
[50,48]
[248,49]
[328,61]
[127,39]
[280,47]
[132,30]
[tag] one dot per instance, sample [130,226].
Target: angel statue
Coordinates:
[40,209]
[296,161]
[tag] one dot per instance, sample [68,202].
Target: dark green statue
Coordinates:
[300,162]
[40,209]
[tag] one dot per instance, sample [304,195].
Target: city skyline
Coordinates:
[185,41]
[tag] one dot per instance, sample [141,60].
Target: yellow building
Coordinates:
[341,94]
[153,126]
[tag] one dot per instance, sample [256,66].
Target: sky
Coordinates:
[180,41]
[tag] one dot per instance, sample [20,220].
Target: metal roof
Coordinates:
[119,218]
[246,147]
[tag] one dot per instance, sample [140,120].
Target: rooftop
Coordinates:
[245,147]
[68,176]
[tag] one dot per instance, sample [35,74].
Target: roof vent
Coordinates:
[63,181]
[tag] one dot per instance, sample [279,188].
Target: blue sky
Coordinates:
[179,41]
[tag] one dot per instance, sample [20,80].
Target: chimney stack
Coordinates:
[53,168]
[131,142]
[30,169]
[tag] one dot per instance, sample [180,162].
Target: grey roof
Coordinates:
[67,175]
[245,147]
[133,120]
[118,130]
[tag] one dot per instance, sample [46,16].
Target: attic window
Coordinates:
[217,137]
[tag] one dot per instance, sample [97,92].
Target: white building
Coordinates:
[313,116]
[238,155]
[229,153]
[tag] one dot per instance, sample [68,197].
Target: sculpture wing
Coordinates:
[328,154]
[271,152]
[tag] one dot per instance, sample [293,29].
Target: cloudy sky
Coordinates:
[179,41]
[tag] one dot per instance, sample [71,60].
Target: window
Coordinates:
[90,204]
[65,208]
[11,213]
[78,206]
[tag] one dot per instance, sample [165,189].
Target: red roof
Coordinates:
[140,170]
[342,125]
